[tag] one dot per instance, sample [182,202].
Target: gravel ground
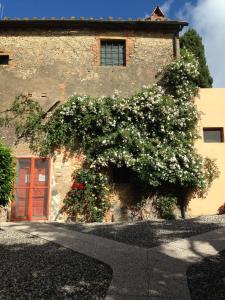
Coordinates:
[150,234]
[32,268]
[206,280]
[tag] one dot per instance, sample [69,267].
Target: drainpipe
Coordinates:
[175,50]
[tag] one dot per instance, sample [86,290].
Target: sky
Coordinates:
[206,16]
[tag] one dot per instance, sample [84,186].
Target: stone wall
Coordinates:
[52,65]
[62,168]
[3,214]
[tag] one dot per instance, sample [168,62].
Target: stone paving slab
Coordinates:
[177,289]
[138,273]
[166,268]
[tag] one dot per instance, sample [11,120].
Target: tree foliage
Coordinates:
[152,133]
[6,174]
[192,41]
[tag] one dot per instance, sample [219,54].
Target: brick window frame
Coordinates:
[113,53]
[129,42]
[219,130]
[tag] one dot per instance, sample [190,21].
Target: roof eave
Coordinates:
[92,24]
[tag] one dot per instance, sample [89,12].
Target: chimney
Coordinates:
[157,15]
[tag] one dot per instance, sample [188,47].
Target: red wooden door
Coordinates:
[31,190]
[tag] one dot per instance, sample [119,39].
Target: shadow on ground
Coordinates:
[206,279]
[31,267]
[206,276]
[140,273]
[149,234]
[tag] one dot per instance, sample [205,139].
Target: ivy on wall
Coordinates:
[152,133]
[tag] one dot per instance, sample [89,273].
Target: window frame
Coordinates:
[111,41]
[220,129]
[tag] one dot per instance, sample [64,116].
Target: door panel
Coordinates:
[22,188]
[22,197]
[39,203]
[41,170]
[40,188]
[23,172]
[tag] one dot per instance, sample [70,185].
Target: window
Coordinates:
[4,59]
[113,53]
[213,135]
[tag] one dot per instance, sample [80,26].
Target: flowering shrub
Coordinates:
[152,133]
[221,210]
[87,199]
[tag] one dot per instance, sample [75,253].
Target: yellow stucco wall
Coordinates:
[211,102]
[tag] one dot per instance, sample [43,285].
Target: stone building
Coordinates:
[49,60]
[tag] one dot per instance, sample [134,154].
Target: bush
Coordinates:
[221,210]
[87,200]
[7,173]
[165,206]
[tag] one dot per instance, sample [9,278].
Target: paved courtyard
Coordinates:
[33,268]
[152,233]
[138,272]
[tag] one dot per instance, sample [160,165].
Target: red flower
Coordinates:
[74,186]
[81,186]
[78,186]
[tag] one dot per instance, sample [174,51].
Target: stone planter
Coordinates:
[3,214]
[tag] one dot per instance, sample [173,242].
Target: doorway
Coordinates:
[32,188]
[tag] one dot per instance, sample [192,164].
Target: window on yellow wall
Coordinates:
[213,135]
[4,59]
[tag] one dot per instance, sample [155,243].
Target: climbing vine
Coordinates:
[152,133]
[87,200]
